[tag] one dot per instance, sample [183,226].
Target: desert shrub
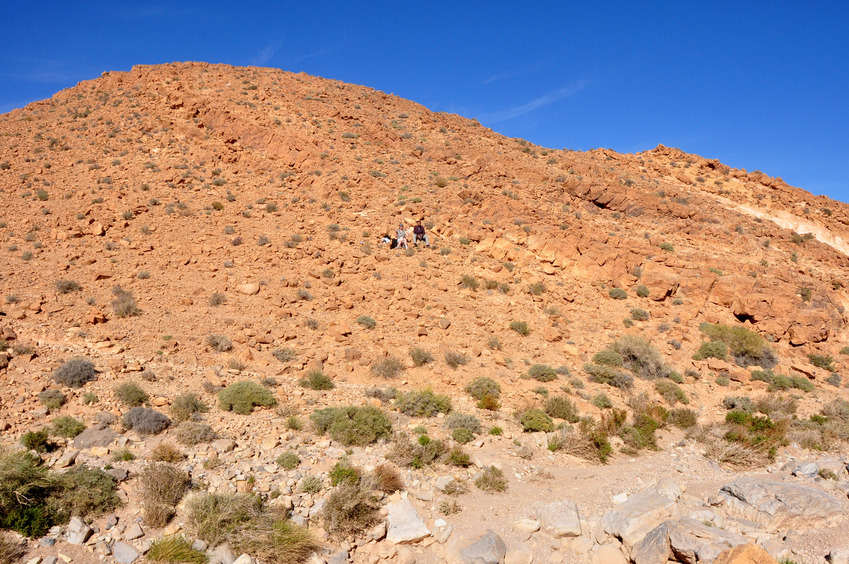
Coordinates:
[609,375]
[483,386]
[760,433]
[667,247]
[562,407]
[317,380]
[85,491]
[52,399]
[131,394]
[67,427]
[542,373]
[683,418]
[822,361]
[520,327]
[25,485]
[275,540]
[175,549]
[67,286]
[734,454]
[457,420]
[617,293]
[711,349]
[192,433]
[366,321]
[639,314]
[11,551]
[219,343]
[145,421]
[742,403]
[217,518]
[781,382]
[242,397]
[388,367]
[642,291]
[161,487]
[39,441]
[420,356]
[417,454]
[834,379]
[185,406]
[469,282]
[288,460]
[383,394]
[350,509]
[776,406]
[671,392]
[343,471]
[491,480]
[640,356]
[534,420]
[166,452]
[284,354]
[387,478]
[601,401]
[124,304]
[462,435]
[75,372]
[217,298]
[357,426]
[424,403]
[123,455]
[455,359]
[747,347]
[607,357]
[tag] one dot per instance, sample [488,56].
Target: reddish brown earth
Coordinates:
[145,179]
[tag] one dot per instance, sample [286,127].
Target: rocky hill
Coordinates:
[587,315]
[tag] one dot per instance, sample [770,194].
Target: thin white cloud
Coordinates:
[506,75]
[264,55]
[535,104]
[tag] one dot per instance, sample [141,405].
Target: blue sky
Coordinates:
[758,85]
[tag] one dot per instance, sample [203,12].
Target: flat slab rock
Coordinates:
[559,519]
[403,523]
[95,437]
[487,549]
[780,506]
[685,540]
[632,519]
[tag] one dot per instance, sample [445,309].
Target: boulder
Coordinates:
[124,553]
[77,531]
[248,289]
[632,519]
[745,554]
[559,519]
[609,554]
[403,523]
[687,540]
[778,506]
[488,549]
[838,556]
[99,436]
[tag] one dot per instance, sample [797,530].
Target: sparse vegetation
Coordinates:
[366,321]
[75,373]
[535,420]
[491,480]
[52,399]
[131,394]
[124,303]
[145,421]
[352,425]
[420,356]
[747,348]
[67,427]
[185,406]
[388,367]
[542,373]
[175,549]
[161,487]
[424,403]
[317,380]
[455,359]
[219,343]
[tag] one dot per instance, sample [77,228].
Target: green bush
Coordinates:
[39,441]
[642,291]
[747,348]
[607,357]
[491,480]
[601,401]
[67,427]
[542,373]
[419,454]
[352,426]
[317,380]
[667,247]
[639,314]
[671,392]
[350,509]
[469,282]
[609,375]
[192,433]
[455,359]
[683,418]
[780,382]
[284,354]
[366,321]
[86,491]
[562,407]
[535,420]
[241,397]
[288,460]
[520,327]
[640,356]
[175,549]
[342,471]
[462,435]
[420,356]
[424,403]
[617,293]
[145,421]
[187,405]
[52,399]
[131,394]
[483,386]
[219,518]
[822,361]
[711,349]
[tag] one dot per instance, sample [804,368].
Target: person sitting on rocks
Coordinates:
[420,235]
[402,236]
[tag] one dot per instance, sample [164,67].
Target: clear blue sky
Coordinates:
[758,85]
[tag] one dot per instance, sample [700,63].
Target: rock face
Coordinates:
[776,505]
[404,524]
[559,519]
[631,520]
